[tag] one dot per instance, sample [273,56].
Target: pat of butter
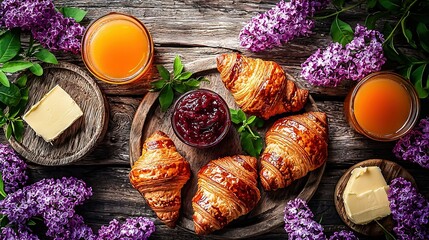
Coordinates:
[53,114]
[365,196]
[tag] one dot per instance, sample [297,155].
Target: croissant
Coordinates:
[227,189]
[159,175]
[260,87]
[295,145]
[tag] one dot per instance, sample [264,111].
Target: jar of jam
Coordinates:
[201,118]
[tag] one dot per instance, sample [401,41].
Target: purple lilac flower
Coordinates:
[299,223]
[279,25]
[59,33]
[362,56]
[54,201]
[414,146]
[22,233]
[12,168]
[410,210]
[25,14]
[343,235]
[139,228]
[49,27]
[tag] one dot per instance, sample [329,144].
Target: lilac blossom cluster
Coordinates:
[410,210]
[133,228]
[299,223]
[362,56]
[279,25]
[48,26]
[414,146]
[22,233]
[54,200]
[12,168]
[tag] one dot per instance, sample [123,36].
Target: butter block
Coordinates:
[53,114]
[365,195]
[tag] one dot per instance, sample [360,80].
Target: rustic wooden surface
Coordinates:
[196,29]
[268,213]
[390,171]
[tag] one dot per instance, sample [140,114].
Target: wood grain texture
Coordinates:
[92,125]
[268,213]
[390,171]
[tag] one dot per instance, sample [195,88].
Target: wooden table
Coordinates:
[194,30]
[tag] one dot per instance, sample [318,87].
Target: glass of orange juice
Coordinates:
[383,106]
[118,49]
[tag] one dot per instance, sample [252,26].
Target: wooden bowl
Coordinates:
[268,214]
[390,170]
[86,93]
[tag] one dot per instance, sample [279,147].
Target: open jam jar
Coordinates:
[201,118]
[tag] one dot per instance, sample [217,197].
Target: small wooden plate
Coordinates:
[268,213]
[83,89]
[390,170]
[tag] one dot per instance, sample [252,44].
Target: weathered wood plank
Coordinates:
[198,29]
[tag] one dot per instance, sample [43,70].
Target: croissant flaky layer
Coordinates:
[260,87]
[159,175]
[227,189]
[295,145]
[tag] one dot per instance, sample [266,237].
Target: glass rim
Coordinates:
[413,114]
[220,137]
[90,30]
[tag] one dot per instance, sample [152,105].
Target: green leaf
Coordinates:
[251,145]
[20,107]
[338,3]
[341,32]
[10,45]
[417,79]
[15,66]
[407,32]
[241,116]
[8,131]
[163,72]
[158,85]
[21,81]
[177,66]
[371,19]
[2,192]
[46,56]
[194,83]
[258,122]
[423,34]
[391,5]
[184,76]
[75,13]
[4,80]
[166,97]
[3,221]
[241,129]
[18,130]
[31,223]
[371,3]
[10,95]
[36,69]
[180,88]
[251,119]
[234,117]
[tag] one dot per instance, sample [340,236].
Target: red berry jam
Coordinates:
[201,118]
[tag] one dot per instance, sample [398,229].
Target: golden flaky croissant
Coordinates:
[260,87]
[227,189]
[295,145]
[159,175]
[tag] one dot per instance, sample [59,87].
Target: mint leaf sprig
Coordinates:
[179,81]
[251,141]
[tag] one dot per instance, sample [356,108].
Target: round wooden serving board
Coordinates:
[268,214]
[390,170]
[86,93]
